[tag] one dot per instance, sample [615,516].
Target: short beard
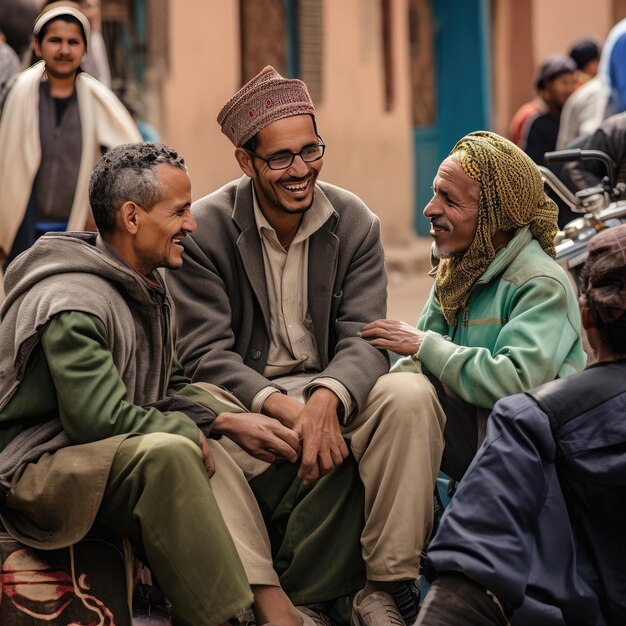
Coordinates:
[281,207]
[442,254]
[300,211]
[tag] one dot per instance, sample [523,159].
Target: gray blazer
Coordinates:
[222,310]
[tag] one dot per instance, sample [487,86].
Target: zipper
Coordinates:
[166,365]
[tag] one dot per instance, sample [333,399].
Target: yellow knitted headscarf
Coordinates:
[511,196]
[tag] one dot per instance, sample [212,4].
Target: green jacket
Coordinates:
[72,375]
[520,328]
[86,353]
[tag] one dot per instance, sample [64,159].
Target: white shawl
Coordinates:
[104,122]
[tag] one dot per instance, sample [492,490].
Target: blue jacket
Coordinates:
[540,516]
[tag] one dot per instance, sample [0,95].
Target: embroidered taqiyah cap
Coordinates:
[265,99]
[56,9]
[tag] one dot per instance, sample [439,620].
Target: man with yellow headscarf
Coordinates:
[502,315]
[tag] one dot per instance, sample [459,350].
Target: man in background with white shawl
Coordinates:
[55,122]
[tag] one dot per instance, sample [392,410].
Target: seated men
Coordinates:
[282,273]
[97,423]
[502,315]
[537,529]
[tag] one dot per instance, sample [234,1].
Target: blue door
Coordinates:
[463,89]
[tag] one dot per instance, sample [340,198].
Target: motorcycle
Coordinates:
[601,206]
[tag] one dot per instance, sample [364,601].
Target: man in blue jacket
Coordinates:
[536,532]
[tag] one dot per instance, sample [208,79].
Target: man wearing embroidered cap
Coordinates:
[282,273]
[55,122]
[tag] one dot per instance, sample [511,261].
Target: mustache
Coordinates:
[295,179]
[440,222]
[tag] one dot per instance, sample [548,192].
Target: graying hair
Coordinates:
[127,173]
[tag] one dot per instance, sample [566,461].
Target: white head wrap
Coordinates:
[56,11]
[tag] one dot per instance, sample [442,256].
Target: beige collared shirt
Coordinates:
[292,347]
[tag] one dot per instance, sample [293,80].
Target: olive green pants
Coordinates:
[159,496]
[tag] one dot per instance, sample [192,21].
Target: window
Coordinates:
[263,36]
[287,34]
[423,88]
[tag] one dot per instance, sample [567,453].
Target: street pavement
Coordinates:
[409,283]
[407,295]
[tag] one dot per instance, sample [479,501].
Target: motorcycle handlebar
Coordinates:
[576,154]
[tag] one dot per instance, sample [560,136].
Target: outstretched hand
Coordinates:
[399,337]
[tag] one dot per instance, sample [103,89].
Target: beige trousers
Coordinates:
[397,440]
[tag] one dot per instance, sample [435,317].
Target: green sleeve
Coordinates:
[180,385]
[432,317]
[530,348]
[91,394]
[178,379]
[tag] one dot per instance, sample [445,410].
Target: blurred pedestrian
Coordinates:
[9,61]
[16,21]
[54,125]
[96,61]
[591,103]
[555,82]
[586,54]
[536,123]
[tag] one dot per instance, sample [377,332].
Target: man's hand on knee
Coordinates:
[323,445]
[260,436]
[399,337]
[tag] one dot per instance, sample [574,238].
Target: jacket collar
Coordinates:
[507,255]
[323,258]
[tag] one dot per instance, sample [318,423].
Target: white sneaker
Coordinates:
[376,609]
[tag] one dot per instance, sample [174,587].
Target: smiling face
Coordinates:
[289,191]
[453,210]
[62,48]
[161,229]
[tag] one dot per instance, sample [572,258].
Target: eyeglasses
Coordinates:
[283,160]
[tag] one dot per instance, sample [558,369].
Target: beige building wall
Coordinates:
[369,149]
[557,24]
[204,73]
